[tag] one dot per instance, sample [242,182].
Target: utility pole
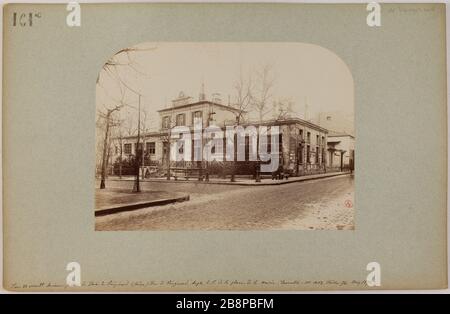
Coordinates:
[107,117]
[105,145]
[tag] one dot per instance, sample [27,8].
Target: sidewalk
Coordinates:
[239,181]
[113,200]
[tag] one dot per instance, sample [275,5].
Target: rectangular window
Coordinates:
[127,149]
[241,148]
[166,122]
[197,115]
[317,140]
[181,119]
[150,147]
[308,137]
[317,154]
[197,151]
[280,142]
[308,154]
[300,154]
[301,134]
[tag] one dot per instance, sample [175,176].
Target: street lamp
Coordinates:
[258,170]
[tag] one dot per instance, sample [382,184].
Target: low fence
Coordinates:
[216,169]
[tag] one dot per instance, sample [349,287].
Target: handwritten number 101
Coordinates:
[23,19]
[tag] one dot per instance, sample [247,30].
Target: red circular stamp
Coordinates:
[348,204]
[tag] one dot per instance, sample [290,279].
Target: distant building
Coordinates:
[341,150]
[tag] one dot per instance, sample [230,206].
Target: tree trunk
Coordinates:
[120,162]
[104,156]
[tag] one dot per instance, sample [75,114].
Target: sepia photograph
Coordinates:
[234,147]
[224,136]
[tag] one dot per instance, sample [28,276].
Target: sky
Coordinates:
[304,73]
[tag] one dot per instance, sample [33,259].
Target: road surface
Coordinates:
[324,204]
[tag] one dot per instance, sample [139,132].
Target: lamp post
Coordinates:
[136,187]
[258,170]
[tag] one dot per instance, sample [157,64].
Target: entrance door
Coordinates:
[300,154]
[299,158]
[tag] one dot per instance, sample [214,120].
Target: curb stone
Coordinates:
[133,206]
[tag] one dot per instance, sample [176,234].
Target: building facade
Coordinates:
[302,145]
[341,151]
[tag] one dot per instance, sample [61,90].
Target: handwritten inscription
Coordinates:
[25,19]
[412,10]
[136,285]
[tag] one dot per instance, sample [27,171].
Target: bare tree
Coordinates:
[106,114]
[119,141]
[262,93]
[243,98]
[106,141]
[243,101]
[110,70]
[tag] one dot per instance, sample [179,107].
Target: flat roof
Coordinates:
[199,103]
[339,134]
[287,121]
[265,122]
[148,134]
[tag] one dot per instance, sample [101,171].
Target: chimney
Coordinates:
[202,95]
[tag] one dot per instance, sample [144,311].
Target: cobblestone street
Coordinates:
[325,204]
